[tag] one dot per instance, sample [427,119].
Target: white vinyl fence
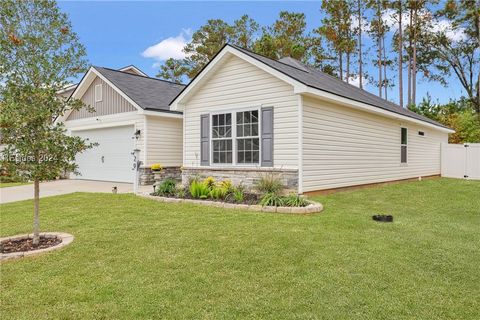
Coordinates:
[461,161]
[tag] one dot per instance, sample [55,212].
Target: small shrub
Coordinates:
[156,167]
[269,183]
[238,195]
[295,200]
[180,192]
[227,185]
[272,199]
[191,178]
[167,187]
[218,192]
[209,182]
[199,190]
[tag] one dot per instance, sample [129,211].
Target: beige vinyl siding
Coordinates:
[112,102]
[164,141]
[346,147]
[239,85]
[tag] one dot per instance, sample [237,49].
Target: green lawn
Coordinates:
[134,258]
[12,184]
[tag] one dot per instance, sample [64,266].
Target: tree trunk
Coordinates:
[414,66]
[380,82]
[341,64]
[384,68]
[360,66]
[348,67]
[409,98]
[400,54]
[36,216]
[379,44]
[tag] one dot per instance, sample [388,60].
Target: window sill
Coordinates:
[240,168]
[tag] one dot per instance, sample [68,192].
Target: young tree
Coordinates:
[40,52]
[173,70]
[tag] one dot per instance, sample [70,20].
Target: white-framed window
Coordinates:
[248,140]
[222,141]
[403,145]
[236,137]
[98,93]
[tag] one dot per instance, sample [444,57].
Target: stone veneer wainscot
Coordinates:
[245,176]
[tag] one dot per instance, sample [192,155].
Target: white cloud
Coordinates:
[355,80]
[171,47]
[354,24]
[390,17]
[445,26]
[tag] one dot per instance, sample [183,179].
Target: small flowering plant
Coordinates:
[156,167]
[209,182]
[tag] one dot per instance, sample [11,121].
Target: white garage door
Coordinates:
[111,160]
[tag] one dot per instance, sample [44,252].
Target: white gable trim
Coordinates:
[221,57]
[133,103]
[87,80]
[140,72]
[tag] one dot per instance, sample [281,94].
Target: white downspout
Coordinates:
[300,144]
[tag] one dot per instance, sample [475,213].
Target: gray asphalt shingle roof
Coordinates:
[322,81]
[148,93]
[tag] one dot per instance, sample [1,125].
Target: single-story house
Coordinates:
[245,115]
[131,112]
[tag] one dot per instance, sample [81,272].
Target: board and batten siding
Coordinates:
[237,84]
[347,147]
[112,102]
[164,141]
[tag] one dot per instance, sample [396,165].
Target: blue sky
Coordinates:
[117,33]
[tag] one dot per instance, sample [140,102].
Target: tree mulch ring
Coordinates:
[22,245]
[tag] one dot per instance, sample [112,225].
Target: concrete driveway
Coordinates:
[58,187]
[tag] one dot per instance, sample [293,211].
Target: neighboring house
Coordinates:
[245,115]
[131,112]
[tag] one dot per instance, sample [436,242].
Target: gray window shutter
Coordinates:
[205,139]
[267,137]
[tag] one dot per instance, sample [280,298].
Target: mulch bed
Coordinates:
[248,198]
[27,244]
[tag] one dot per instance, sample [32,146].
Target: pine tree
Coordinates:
[338,31]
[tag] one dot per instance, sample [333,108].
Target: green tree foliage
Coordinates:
[338,30]
[244,32]
[459,115]
[205,44]
[173,70]
[286,37]
[40,52]
[460,56]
